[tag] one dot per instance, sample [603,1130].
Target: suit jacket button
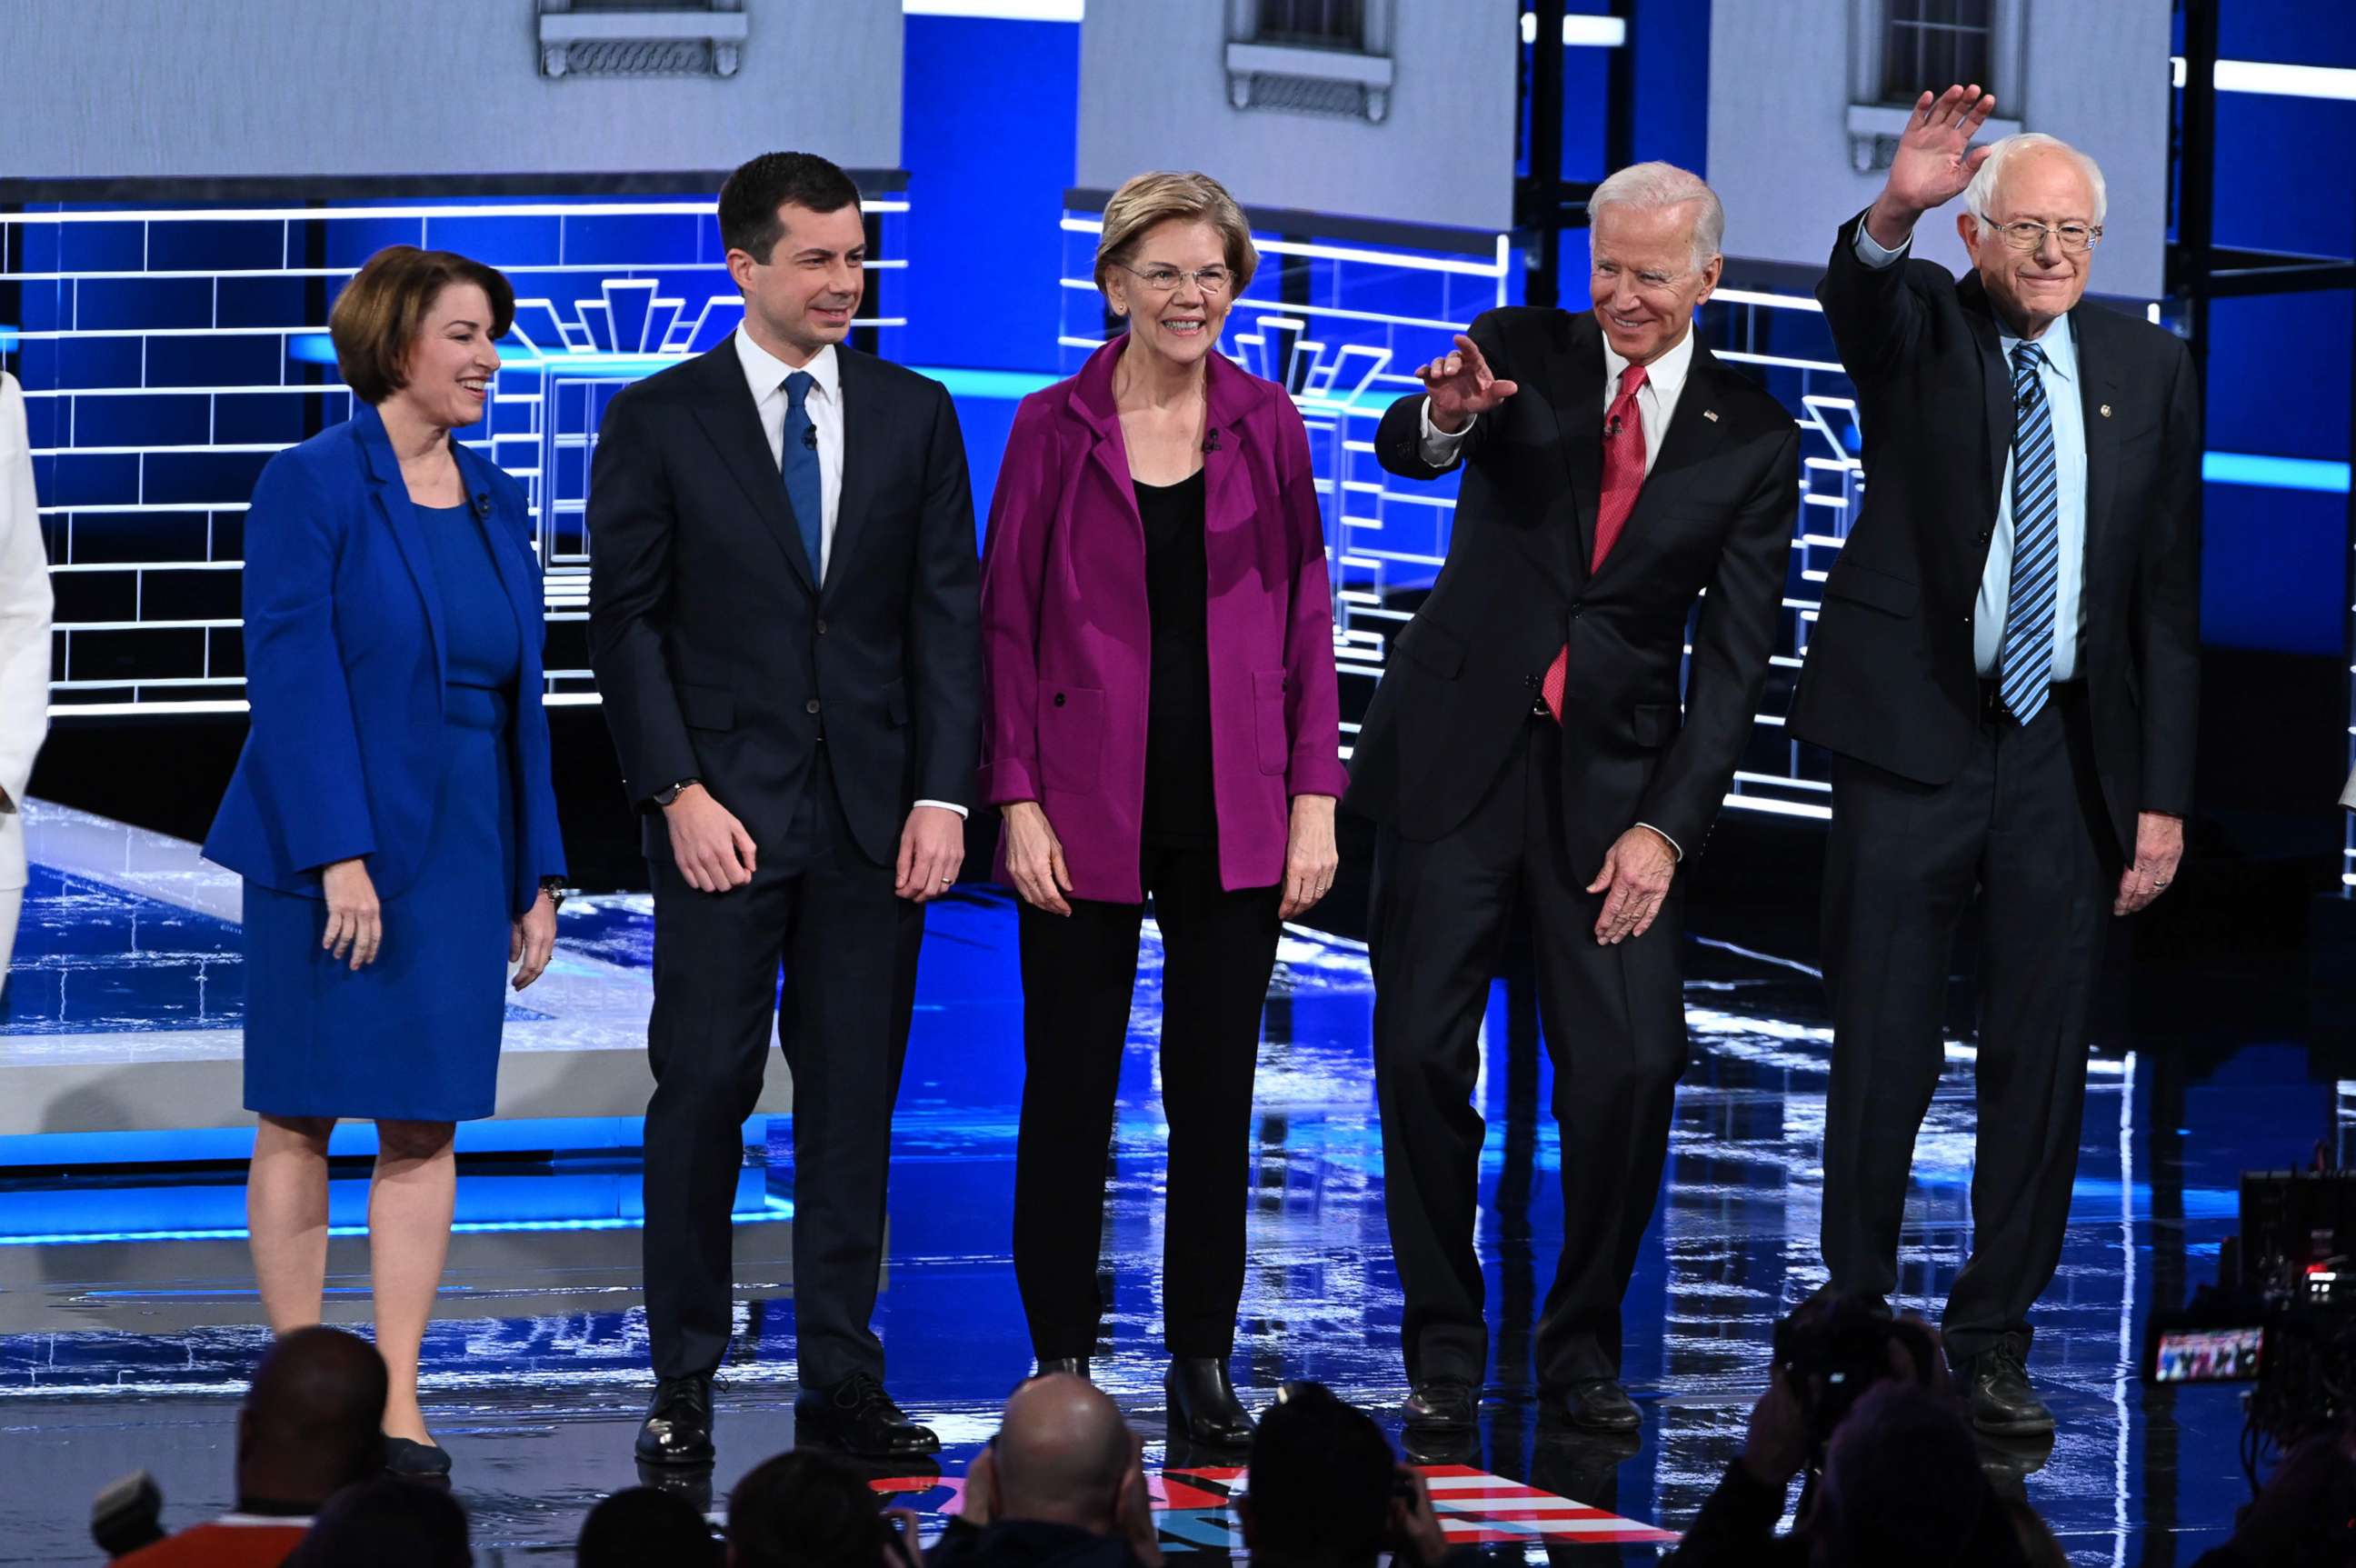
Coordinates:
[821,629]
[810,706]
[1576,606]
[1059,699]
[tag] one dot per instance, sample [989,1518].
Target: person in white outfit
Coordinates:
[24,651]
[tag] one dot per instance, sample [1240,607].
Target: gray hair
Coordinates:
[1980,195]
[1651,188]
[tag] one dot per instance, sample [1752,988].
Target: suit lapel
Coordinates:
[1092,404]
[1996,386]
[1574,393]
[1227,500]
[862,426]
[2098,389]
[723,405]
[392,498]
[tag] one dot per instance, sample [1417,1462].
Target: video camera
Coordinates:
[2283,1313]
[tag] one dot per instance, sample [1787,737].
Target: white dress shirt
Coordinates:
[765,375]
[2068,413]
[1657,405]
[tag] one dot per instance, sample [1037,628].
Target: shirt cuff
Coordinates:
[1667,840]
[960,810]
[1440,447]
[1874,253]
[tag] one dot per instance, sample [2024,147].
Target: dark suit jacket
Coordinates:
[1890,678]
[1716,513]
[717,653]
[345,639]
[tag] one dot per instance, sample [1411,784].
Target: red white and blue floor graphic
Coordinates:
[1476,1509]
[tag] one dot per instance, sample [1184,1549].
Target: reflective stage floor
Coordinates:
[128,1324]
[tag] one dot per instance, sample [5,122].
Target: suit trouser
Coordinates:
[1078,971]
[2023,825]
[849,948]
[1614,1019]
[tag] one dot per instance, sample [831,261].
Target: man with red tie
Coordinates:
[1527,748]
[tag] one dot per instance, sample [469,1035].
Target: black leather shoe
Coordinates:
[1203,1403]
[1071,1366]
[415,1461]
[857,1416]
[1997,1395]
[1442,1407]
[1600,1405]
[678,1428]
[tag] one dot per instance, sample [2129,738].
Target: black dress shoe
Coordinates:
[415,1461]
[1203,1404]
[1444,1406]
[1998,1396]
[1071,1366]
[678,1428]
[857,1416]
[1600,1405]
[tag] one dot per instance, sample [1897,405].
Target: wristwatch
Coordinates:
[665,797]
[554,887]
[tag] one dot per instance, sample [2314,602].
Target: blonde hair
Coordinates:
[1146,201]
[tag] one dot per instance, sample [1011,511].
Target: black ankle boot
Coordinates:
[1203,1404]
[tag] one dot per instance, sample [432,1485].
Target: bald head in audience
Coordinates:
[313,1421]
[1063,1456]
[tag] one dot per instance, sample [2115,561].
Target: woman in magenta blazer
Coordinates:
[1161,720]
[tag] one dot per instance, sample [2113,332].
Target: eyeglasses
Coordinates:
[1166,279]
[2028,234]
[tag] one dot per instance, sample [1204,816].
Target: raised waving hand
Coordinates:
[1935,159]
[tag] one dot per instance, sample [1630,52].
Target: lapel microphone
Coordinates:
[809,436]
[1211,439]
[1612,428]
[482,505]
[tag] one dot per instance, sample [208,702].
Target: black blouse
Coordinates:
[1180,812]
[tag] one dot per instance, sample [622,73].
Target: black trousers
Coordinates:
[1614,1019]
[849,948]
[1078,973]
[2023,828]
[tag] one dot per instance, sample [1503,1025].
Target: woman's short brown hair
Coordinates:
[1147,199]
[382,310]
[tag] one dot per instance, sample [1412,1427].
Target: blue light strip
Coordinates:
[2274,473]
[778,1208]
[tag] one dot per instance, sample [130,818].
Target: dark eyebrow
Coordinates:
[819,253]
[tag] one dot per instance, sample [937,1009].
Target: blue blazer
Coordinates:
[345,649]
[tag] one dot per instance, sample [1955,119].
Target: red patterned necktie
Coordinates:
[1624,476]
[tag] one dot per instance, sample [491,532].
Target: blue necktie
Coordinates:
[797,464]
[2025,658]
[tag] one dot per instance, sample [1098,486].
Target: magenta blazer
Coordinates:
[1066,643]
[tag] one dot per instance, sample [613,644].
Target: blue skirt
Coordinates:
[415,1036]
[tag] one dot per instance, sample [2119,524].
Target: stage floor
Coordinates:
[128,1324]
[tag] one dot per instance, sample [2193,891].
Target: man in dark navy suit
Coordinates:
[783,619]
[2006,671]
[1528,747]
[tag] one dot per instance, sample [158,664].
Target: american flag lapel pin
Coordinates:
[2106,411]
[1711,414]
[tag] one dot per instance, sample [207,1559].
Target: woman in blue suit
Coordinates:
[392,813]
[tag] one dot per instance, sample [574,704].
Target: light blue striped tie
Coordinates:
[2024,660]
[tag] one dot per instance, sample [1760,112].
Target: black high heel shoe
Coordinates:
[1203,1403]
[415,1461]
